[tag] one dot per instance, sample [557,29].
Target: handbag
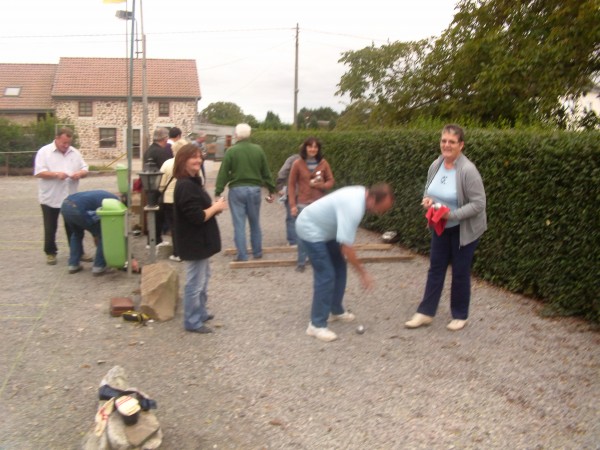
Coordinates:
[162,193]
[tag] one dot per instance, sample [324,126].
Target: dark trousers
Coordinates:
[50,216]
[445,251]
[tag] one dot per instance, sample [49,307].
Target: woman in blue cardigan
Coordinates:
[197,235]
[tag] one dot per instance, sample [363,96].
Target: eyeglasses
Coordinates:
[448,141]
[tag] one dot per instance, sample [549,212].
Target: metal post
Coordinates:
[130,140]
[295,122]
[151,210]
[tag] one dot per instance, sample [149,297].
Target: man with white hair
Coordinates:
[244,168]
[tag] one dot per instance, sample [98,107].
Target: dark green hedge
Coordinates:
[543,194]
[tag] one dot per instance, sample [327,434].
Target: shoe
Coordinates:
[456,324]
[418,320]
[344,317]
[202,330]
[209,317]
[75,269]
[163,244]
[51,260]
[299,269]
[86,258]
[97,271]
[175,258]
[257,257]
[323,334]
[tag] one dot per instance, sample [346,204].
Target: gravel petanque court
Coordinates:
[510,380]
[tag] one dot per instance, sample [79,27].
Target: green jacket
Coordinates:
[244,164]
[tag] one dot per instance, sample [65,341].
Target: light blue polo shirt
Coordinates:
[336,216]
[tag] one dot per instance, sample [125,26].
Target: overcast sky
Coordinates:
[244,50]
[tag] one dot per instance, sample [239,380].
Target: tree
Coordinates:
[498,61]
[316,118]
[272,122]
[223,113]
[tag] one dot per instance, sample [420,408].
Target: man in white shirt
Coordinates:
[327,229]
[59,167]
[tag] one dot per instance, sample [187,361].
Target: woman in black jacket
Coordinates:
[197,235]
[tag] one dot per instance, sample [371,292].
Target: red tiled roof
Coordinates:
[35,81]
[108,77]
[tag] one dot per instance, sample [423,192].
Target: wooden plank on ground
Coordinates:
[290,249]
[254,263]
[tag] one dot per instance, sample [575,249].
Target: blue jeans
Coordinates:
[197,274]
[446,250]
[79,221]
[302,255]
[290,225]
[330,272]
[244,201]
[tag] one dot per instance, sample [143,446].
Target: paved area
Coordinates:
[511,379]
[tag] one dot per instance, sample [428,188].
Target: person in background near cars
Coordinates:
[200,142]
[453,182]
[197,235]
[244,168]
[79,211]
[59,167]
[327,229]
[158,153]
[310,178]
[282,188]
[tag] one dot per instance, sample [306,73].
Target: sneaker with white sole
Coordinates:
[175,258]
[344,317]
[323,334]
[163,244]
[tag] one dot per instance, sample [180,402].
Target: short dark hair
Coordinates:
[64,130]
[310,141]
[174,132]
[455,130]
[380,192]
[183,154]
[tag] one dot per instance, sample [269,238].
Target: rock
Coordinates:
[144,435]
[159,291]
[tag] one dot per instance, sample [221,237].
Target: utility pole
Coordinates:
[295,125]
[145,132]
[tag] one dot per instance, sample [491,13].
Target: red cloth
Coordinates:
[434,218]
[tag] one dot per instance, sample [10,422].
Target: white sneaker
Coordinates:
[323,334]
[456,324]
[163,244]
[418,320]
[175,258]
[344,317]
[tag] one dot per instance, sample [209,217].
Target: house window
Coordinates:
[163,109]
[108,137]
[12,91]
[85,109]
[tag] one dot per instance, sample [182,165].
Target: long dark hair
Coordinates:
[309,141]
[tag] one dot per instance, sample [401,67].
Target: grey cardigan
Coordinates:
[471,198]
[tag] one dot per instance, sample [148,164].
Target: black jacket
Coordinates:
[158,154]
[194,238]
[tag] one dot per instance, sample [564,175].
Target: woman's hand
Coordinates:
[427,202]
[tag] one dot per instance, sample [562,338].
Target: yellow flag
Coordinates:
[114,1]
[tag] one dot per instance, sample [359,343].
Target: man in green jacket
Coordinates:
[244,169]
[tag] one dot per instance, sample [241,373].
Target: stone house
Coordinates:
[91,95]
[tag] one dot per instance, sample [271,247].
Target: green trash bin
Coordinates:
[112,224]
[122,181]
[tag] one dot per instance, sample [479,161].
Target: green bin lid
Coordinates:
[111,207]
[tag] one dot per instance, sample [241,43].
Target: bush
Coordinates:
[542,189]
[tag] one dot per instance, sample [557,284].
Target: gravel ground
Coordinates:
[511,379]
